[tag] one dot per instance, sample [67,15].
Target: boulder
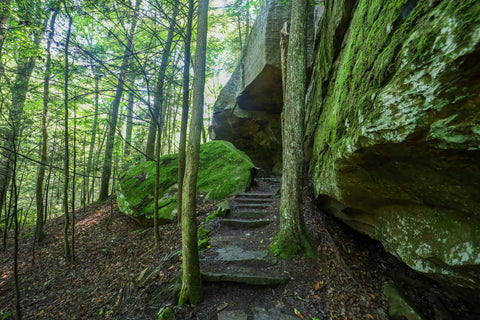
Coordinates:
[223,170]
[393,130]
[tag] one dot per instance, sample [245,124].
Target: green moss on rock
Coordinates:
[223,170]
[166,314]
[392,122]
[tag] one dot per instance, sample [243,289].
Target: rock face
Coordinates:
[247,111]
[223,170]
[393,126]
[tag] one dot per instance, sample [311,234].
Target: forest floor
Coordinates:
[119,274]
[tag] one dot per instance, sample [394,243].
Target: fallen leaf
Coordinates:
[317,285]
[298,314]
[368,315]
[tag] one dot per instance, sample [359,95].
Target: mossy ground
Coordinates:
[286,247]
[166,314]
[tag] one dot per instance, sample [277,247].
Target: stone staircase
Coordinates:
[238,251]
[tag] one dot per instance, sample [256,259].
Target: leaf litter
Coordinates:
[119,274]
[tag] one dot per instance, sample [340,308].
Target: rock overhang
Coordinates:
[248,109]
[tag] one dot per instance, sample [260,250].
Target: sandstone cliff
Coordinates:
[393,129]
[247,111]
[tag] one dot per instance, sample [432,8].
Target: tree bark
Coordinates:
[129,129]
[93,136]
[292,237]
[14,196]
[192,283]
[4,13]
[74,179]
[39,234]
[185,108]
[107,164]
[66,161]
[156,195]
[157,111]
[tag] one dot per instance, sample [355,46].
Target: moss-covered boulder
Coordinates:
[223,170]
[393,123]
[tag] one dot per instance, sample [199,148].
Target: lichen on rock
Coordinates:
[223,170]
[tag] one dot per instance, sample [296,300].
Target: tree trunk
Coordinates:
[292,237]
[128,130]
[39,235]
[66,161]
[74,179]
[157,112]
[185,108]
[107,163]
[92,141]
[14,196]
[192,282]
[156,195]
[4,13]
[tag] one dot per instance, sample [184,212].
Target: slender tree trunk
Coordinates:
[172,136]
[156,196]
[292,237]
[157,112]
[39,234]
[48,208]
[4,13]
[74,178]
[14,196]
[128,130]
[166,129]
[92,139]
[185,108]
[97,160]
[192,282]
[284,34]
[107,164]
[66,161]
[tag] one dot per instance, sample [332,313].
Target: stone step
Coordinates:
[249,214]
[253,206]
[237,223]
[249,200]
[242,274]
[255,194]
[232,315]
[271,179]
[236,255]
[260,313]
[239,238]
